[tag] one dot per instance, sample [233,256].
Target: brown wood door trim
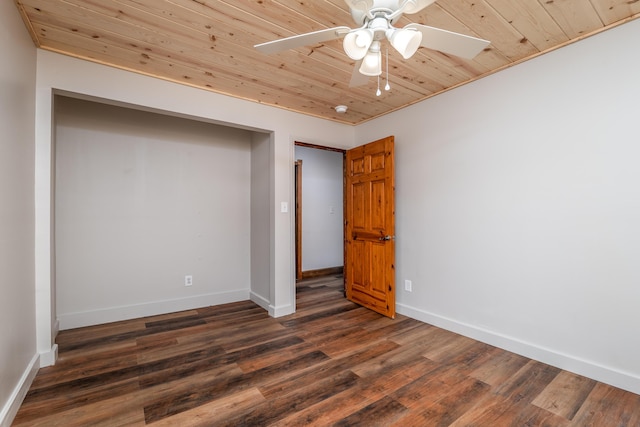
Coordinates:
[298,218]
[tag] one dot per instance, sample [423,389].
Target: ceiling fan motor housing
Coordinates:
[380,8]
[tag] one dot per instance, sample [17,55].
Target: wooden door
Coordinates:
[370,226]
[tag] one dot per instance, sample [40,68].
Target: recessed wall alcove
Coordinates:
[143,199]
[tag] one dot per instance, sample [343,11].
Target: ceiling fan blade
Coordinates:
[415,6]
[357,78]
[450,42]
[294,42]
[362,5]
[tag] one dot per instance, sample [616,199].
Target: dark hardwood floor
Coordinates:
[330,363]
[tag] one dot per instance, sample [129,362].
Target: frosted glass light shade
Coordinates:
[371,64]
[414,6]
[356,43]
[406,41]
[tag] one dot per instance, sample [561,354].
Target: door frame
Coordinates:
[298,204]
[298,218]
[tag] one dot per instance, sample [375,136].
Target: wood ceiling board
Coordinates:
[489,25]
[209,44]
[190,50]
[611,11]
[285,22]
[532,21]
[239,86]
[326,13]
[576,17]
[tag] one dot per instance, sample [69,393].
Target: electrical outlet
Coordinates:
[188,280]
[407,285]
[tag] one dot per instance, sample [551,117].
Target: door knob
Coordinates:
[387,237]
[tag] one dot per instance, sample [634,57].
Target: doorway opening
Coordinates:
[366,223]
[319,214]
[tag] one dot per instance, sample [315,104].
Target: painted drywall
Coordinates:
[260,218]
[322,201]
[517,206]
[18,356]
[142,200]
[62,74]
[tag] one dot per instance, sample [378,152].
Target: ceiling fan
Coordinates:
[376,18]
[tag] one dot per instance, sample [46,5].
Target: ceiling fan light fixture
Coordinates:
[414,6]
[372,62]
[356,43]
[363,5]
[406,41]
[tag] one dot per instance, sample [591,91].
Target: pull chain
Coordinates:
[387,87]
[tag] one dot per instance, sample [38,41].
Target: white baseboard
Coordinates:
[10,409]
[271,309]
[282,310]
[260,300]
[49,358]
[616,378]
[115,314]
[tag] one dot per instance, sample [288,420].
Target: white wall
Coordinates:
[142,200]
[18,358]
[81,78]
[322,201]
[260,223]
[518,204]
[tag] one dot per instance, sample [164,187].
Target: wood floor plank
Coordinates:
[528,382]
[501,366]
[340,406]
[298,399]
[117,357]
[565,394]
[59,401]
[320,314]
[274,358]
[328,411]
[223,408]
[400,356]
[220,387]
[385,411]
[439,396]
[470,358]
[395,377]
[496,410]
[92,332]
[331,363]
[172,391]
[331,367]
[233,309]
[99,414]
[608,406]
[235,343]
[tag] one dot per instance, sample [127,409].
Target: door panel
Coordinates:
[370,226]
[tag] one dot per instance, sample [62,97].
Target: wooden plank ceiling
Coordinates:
[209,44]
